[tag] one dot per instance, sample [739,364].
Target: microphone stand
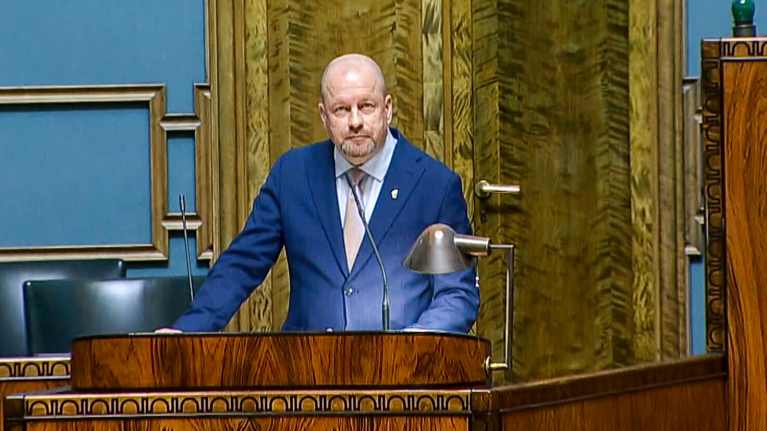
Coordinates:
[385,301]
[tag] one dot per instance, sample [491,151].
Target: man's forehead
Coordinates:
[342,88]
[336,86]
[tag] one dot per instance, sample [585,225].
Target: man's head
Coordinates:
[355,107]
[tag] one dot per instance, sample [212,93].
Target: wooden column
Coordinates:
[735,129]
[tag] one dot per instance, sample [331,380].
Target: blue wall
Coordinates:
[84,42]
[80,174]
[713,19]
[58,165]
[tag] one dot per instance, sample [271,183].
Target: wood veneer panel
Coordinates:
[550,114]
[745,161]
[459,115]
[258,313]
[682,395]
[656,165]
[608,383]
[698,406]
[278,360]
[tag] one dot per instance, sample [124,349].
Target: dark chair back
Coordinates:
[13,336]
[59,311]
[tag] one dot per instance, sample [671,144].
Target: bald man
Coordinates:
[308,206]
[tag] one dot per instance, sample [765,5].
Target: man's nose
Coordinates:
[355,119]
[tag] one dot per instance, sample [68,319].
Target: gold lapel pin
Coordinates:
[394,193]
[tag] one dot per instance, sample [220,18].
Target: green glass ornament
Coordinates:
[743,15]
[743,11]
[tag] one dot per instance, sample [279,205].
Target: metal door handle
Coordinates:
[483,189]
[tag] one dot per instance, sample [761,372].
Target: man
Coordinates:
[307,206]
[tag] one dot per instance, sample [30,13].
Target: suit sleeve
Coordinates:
[455,300]
[244,264]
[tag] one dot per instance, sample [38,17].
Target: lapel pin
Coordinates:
[394,193]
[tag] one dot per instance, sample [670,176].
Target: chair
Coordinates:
[13,336]
[59,311]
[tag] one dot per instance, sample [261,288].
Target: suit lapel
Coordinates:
[322,183]
[401,178]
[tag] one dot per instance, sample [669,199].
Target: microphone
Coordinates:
[385,301]
[182,205]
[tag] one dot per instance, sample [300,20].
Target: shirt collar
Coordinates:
[376,167]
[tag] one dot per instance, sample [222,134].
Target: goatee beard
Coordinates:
[352,150]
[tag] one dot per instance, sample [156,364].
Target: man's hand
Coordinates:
[167,331]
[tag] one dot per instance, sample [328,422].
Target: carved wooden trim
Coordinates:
[713,181]
[34,368]
[288,403]
[741,47]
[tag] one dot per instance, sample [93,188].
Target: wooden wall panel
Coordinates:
[459,115]
[671,196]
[688,394]
[433,78]
[657,166]
[545,106]
[486,129]
[698,406]
[258,312]
[232,177]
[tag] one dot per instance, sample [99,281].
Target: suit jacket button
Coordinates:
[349,291]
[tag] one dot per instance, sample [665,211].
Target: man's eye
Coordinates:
[341,109]
[368,107]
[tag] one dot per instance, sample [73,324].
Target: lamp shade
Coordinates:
[435,252]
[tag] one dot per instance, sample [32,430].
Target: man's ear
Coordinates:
[323,115]
[388,108]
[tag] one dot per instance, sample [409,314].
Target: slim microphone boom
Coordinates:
[182,205]
[385,301]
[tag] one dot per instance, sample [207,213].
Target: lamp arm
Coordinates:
[509,321]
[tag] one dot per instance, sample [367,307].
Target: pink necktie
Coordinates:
[354,230]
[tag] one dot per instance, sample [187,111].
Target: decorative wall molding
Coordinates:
[160,123]
[199,123]
[154,96]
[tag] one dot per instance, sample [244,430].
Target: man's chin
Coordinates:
[358,155]
[357,160]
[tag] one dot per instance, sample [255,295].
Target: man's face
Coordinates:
[355,112]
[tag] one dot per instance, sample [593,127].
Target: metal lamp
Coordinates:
[439,250]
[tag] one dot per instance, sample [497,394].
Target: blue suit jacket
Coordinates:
[298,208]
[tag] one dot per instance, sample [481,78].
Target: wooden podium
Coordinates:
[322,381]
[352,381]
